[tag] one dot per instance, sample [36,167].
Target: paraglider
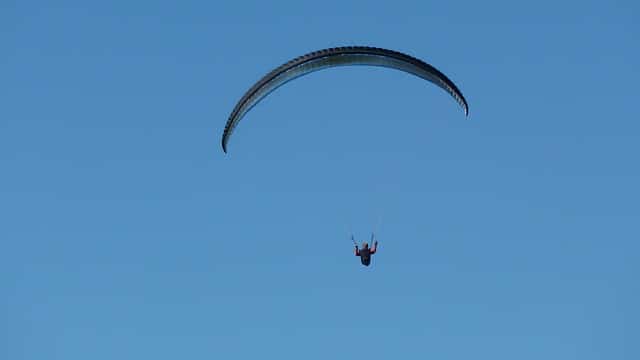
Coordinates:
[333,57]
[366,252]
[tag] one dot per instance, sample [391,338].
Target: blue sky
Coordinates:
[127,233]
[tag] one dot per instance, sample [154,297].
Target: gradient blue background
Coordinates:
[126,233]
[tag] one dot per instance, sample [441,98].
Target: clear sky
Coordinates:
[126,233]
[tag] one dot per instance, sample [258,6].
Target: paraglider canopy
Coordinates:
[339,56]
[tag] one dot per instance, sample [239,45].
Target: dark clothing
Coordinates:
[365,254]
